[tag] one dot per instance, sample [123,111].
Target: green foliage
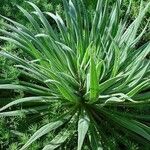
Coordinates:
[9,8]
[135,6]
[11,138]
[89,68]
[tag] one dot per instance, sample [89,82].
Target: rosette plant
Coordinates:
[90,66]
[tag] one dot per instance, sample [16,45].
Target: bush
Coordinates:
[90,69]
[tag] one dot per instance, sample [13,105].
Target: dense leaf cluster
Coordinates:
[89,68]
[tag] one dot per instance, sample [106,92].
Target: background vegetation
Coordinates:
[10,140]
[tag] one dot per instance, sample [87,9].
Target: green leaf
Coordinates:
[29,99]
[94,139]
[21,112]
[24,88]
[31,19]
[134,126]
[138,88]
[44,130]
[108,83]
[94,84]
[57,141]
[44,20]
[129,124]
[83,125]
